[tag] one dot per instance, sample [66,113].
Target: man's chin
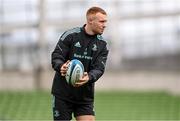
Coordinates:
[100,32]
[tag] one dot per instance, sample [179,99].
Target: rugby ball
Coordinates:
[75,71]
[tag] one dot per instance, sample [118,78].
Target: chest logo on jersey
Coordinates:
[78,45]
[94,47]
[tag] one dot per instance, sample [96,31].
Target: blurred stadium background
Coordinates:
[142,79]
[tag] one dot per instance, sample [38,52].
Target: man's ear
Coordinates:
[90,22]
[90,19]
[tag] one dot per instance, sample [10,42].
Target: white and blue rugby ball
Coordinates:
[75,71]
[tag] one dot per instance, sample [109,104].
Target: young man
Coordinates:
[87,45]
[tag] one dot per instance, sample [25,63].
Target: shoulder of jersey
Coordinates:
[70,31]
[99,37]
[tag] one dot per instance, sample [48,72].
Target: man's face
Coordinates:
[98,24]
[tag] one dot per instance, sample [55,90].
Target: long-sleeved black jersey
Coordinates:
[91,50]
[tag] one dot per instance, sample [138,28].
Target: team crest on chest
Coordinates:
[94,48]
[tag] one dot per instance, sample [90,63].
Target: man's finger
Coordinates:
[85,74]
[79,83]
[65,66]
[67,62]
[64,69]
[63,74]
[76,85]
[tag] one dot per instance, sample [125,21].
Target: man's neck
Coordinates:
[88,30]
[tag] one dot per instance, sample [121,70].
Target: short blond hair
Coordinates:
[94,10]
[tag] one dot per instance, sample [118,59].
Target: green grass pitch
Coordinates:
[113,105]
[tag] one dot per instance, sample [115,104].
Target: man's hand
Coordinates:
[84,79]
[64,68]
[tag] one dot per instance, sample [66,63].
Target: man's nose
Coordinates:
[104,25]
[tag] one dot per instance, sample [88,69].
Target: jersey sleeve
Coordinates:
[98,67]
[60,54]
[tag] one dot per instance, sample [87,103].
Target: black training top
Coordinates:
[91,50]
